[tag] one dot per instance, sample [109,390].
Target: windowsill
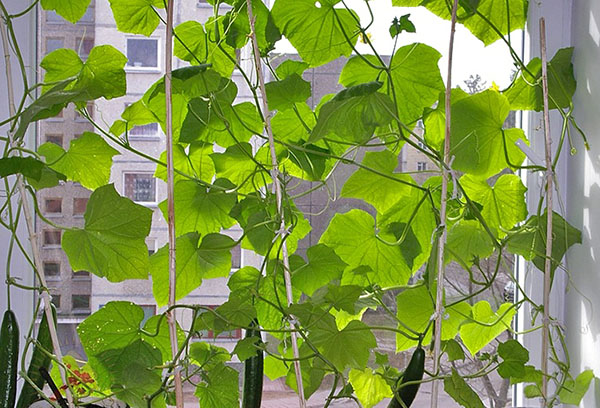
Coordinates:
[53,215]
[78,215]
[58,246]
[153,138]
[143,70]
[52,278]
[81,311]
[81,278]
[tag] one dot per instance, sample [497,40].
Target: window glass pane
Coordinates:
[81,274]
[140,187]
[52,237]
[80,301]
[56,139]
[54,44]
[236,257]
[150,129]
[79,205]
[142,52]
[52,269]
[53,205]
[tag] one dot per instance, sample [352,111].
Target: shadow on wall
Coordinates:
[583,303]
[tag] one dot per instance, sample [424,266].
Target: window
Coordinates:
[56,301]
[236,257]
[142,53]
[81,302]
[84,46]
[54,43]
[79,205]
[151,243]
[52,237]
[421,166]
[56,139]
[150,129]
[81,275]
[140,187]
[53,205]
[51,269]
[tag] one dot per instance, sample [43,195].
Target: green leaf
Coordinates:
[112,242]
[478,141]
[238,310]
[415,308]
[238,166]
[323,267]
[486,325]
[200,209]
[357,71]
[290,67]
[274,368]
[59,65]
[416,79]
[71,10]
[210,258]
[137,383]
[244,279]
[208,355]
[514,357]
[402,24]
[219,389]
[341,298]
[460,391]
[529,241]
[352,236]
[136,16]
[282,95]
[531,374]
[344,348]
[155,100]
[503,203]
[197,163]
[288,127]
[468,240]
[353,114]
[383,188]
[247,347]
[453,350]
[238,32]
[272,288]
[574,391]
[369,387]
[525,93]
[88,160]
[335,36]
[313,371]
[27,166]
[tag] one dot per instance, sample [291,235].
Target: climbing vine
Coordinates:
[250,163]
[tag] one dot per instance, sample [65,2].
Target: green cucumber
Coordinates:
[414,372]
[38,359]
[253,374]
[9,356]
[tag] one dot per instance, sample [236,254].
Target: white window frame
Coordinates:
[144,203]
[131,136]
[421,166]
[157,68]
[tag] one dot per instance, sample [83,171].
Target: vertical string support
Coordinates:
[439,298]
[278,195]
[549,213]
[171,205]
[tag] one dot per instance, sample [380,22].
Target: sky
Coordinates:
[492,63]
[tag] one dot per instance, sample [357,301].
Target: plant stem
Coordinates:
[439,298]
[171,203]
[549,188]
[278,194]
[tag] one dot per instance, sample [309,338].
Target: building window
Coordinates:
[90,111]
[151,129]
[151,244]
[56,139]
[421,166]
[79,205]
[53,205]
[52,237]
[80,302]
[84,46]
[236,256]
[51,269]
[140,187]
[83,275]
[56,301]
[142,53]
[54,43]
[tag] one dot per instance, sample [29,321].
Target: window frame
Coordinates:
[140,69]
[80,215]
[51,277]
[144,203]
[54,213]
[51,230]
[76,310]
[421,166]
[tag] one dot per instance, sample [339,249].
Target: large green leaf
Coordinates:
[238,32]
[574,390]
[486,325]
[357,71]
[382,188]
[323,267]
[320,33]
[353,114]
[514,356]
[503,203]
[459,390]
[112,243]
[88,160]
[196,162]
[219,388]
[27,166]
[468,240]
[282,95]
[196,260]
[526,92]
[202,210]
[237,164]
[71,10]
[416,79]
[477,140]
[529,240]
[136,16]
[370,387]
[353,238]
